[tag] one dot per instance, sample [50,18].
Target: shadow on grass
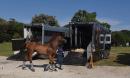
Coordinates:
[123,58]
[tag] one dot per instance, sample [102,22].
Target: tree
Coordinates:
[84,16]
[2,21]
[15,28]
[120,37]
[106,25]
[3,30]
[10,29]
[117,38]
[45,19]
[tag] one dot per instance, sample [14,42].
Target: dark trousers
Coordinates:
[60,59]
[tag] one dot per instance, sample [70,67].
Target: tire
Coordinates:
[106,54]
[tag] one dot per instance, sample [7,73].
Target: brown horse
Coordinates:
[48,49]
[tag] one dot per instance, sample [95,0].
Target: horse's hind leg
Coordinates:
[30,59]
[24,65]
[24,62]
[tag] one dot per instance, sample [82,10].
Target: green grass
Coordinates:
[5,49]
[119,56]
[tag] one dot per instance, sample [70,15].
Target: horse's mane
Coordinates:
[54,37]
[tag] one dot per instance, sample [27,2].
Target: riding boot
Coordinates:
[60,67]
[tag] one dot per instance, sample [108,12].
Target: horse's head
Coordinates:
[62,40]
[59,38]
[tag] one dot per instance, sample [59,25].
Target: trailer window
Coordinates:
[101,38]
[37,34]
[107,38]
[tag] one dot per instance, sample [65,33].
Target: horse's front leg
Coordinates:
[52,64]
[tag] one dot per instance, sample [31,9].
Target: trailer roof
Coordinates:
[54,28]
[97,25]
[48,27]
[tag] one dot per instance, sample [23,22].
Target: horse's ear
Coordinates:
[56,34]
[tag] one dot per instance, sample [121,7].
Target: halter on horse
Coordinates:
[48,49]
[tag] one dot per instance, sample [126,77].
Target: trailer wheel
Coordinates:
[106,54]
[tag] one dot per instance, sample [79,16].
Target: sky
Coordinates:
[114,12]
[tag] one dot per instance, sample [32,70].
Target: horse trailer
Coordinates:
[77,35]
[82,34]
[38,32]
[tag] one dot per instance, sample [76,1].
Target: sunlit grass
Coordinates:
[119,56]
[5,49]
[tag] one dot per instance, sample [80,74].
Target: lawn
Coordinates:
[5,49]
[119,56]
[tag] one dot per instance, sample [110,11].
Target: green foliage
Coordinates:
[2,21]
[84,16]
[45,19]
[106,25]
[15,29]
[120,37]
[10,29]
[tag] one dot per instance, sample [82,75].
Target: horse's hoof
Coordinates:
[50,70]
[24,68]
[61,68]
[45,69]
[33,70]
[55,69]
[89,66]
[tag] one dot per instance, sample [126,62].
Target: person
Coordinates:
[84,55]
[60,57]
[90,51]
